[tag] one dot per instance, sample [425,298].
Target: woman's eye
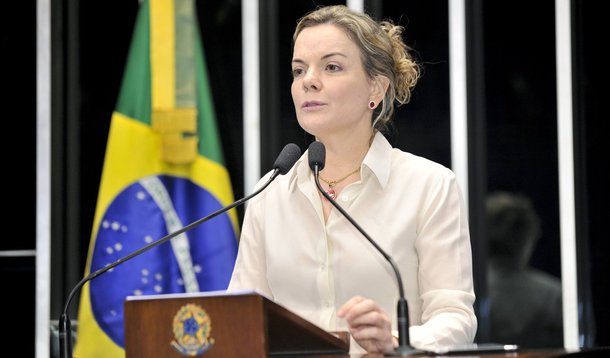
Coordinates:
[297,72]
[333,68]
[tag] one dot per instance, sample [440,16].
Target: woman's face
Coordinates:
[330,88]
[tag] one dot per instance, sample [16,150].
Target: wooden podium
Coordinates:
[221,324]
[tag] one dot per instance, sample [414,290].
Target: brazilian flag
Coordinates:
[163,169]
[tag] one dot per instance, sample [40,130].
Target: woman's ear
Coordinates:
[379,86]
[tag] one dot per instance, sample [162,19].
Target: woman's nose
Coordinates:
[311,81]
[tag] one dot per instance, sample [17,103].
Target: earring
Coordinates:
[371,105]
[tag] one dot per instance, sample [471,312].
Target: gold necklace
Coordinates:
[331,183]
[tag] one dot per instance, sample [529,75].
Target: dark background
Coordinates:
[512,120]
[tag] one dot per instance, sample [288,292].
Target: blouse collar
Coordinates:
[377,160]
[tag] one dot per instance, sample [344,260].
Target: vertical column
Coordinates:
[566,173]
[43,177]
[357,5]
[270,67]
[458,93]
[469,136]
[251,94]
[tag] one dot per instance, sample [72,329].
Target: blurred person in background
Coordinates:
[525,303]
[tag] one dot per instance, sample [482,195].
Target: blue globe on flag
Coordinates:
[199,260]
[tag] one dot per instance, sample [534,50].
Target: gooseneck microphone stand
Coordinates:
[317,154]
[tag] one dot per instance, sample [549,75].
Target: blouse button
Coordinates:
[344,197]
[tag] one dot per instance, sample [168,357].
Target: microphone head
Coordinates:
[288,156]
[317,155]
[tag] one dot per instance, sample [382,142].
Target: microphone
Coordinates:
[284,162]
[317,158]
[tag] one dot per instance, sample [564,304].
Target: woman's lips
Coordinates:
[312,105]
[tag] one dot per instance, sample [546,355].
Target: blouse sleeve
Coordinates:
[250,271]
[445,268]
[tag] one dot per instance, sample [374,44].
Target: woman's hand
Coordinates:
[369,324]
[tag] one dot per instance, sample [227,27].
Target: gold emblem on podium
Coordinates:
[192,329]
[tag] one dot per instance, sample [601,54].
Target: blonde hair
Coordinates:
[383,53]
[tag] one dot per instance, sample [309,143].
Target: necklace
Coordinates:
[331,183]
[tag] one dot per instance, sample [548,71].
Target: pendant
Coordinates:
[331,192]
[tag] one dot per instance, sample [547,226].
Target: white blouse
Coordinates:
[412,207]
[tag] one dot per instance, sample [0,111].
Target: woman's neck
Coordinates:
[344,155]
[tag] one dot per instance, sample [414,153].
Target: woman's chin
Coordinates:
[313,127]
